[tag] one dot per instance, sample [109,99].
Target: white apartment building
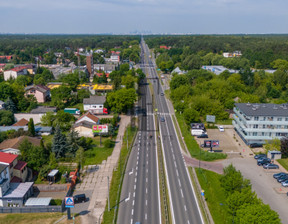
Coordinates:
[256,123]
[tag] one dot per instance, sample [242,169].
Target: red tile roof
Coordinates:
[7,157]
[22,122]
[6,57]
[16,180]
[100,74]
[89,115]
[15,142]
[20,68]
[20,165]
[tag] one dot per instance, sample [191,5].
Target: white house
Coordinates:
[84,124]
[256,123]
[94,104]
[115,57]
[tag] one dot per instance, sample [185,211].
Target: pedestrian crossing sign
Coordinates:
[69,202]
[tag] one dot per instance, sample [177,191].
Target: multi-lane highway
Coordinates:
[140,199]
[183,202]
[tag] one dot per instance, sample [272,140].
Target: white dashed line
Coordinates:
[146,216]
[182,193]
[132,211]
[133,202]
[185,208]
[146,191]
[146,202]
[134,195]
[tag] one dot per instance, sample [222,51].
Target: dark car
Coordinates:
[282,178]
[79,198]
[270,166]
[202,136]
[277,175]
[256,145]
[162,94]
[162,119]
[262,161]
[258,156]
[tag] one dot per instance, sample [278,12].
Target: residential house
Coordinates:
[232,54]
[98,51]
[178,71]
[107,68]
[115,57]
[2,66]
[14,143]
[84,124]
[257,123]
[95,104]
[218,69]
[17,71]
[17,169]
[4,180]
[165,47]
[6,58]
[41,93]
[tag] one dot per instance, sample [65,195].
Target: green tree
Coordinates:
[284,147]
[191,116]
[59,143]
[80,157]
[6,91]
[48,119]
[31,128]
[128,81]
[72,142]
[61,96]
[9,105]
[6,117]
[192,62]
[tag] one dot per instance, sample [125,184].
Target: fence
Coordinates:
[32,209]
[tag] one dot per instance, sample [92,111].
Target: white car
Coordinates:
[221,128]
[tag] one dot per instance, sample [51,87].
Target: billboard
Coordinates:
[197,126]
[211,143]
[210,118]
[101,128]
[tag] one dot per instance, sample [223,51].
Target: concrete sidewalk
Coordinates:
[98,181]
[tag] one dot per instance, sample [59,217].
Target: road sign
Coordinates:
[69,202]
[210,118]
[100,128]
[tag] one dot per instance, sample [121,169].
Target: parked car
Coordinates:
[262,161]
[221,128]
[258,156]
[285,183]
[270,166]
[202,136]
[79,198]
[256,145]
[282,178]
[277,175]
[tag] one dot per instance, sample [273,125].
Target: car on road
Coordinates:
[202,136]
[270,166]
[221,128]
[258,156]
[79,198]
[262,161]
[277,175]
[285,183]
[162,119]
[162,94]
[256,145]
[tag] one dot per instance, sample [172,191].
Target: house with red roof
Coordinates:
[84,124]
[165,47]
[17,169]
[41,93]
[6,57]
[17,71]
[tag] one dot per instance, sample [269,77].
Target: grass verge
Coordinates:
[284,163]
[192,145]
[214,195]
[108,216]
[35,218]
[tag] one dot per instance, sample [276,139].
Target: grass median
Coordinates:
[214,195]
[192,145]
[108,216]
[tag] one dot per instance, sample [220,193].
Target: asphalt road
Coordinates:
[140,199]
[183,201]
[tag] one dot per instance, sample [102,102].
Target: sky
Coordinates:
[155,16]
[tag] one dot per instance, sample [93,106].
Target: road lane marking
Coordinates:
[146,190]
[146,170]
[132,211]
[131,172]
[134,195]
[134,187]
[146,216]
[128,198]
[133,202]
[131,221]
[182,193]
[177,173]
[137,163]
[146,180]
[179,182]
[185,208]
[146,202]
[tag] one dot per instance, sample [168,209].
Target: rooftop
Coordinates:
[53,173]
[7,157]
[90,116]
[38,201]
[22,122]
[18,190]
[14,143]
[40,88]
[94,100]
[264,109]
[16,128]
[43,109]
[20,165]
[86,124]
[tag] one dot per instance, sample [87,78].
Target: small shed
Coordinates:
[52,175]
[274,154]
[38,202]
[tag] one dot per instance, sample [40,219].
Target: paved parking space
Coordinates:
[263,183]
[82,207]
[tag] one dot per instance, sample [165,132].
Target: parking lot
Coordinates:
[242,157]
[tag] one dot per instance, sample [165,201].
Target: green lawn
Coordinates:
[214,195]
[192,145]
[284,163]
[116,179]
